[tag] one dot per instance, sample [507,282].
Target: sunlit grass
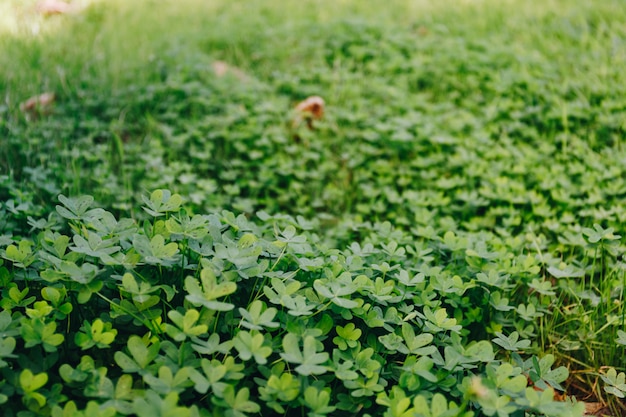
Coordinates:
[113,43]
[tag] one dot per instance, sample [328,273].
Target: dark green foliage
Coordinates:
[243,317]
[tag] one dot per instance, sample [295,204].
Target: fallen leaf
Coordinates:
[422,31]
[313,107]
[596,409]
[50,7]
[306,111]
[40,104]
[221,68]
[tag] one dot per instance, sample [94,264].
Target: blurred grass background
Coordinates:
[114,43]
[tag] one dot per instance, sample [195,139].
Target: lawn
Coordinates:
[179,238]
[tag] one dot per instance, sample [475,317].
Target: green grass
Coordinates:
[499,121]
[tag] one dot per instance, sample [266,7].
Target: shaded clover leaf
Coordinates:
[155,251]
[438,321]
[142,354]
[76,208]
[598,233]
[186,326]
[93,409]
[30,383]
[615,383]
[508,378]
[540,372]
[347,336]
[252,345]
[285,388]
[318,401]
[207,290]
[7,346]
[336,290]
[95,246]
[215,374]
[35,331]
[238,403]
[565,271]
[416,344]
[21,255]
[97,334]
[397,403]
[285,295]
[308,358]
[152,404]
[165,381]
[161,202]
[211,345]
[182,225]
[211,378]
[511,342]
[13,297]
[258,316]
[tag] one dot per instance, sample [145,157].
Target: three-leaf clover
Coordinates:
[30,384]
[238,403]
[185,325]
[309,360]
[511,342]
[252,345]
[318,401]
[142,352]
[155,251]
[161,202]
[615,383]
[347,336]
[98,333]
[35,331]
[208,290]
[258,316]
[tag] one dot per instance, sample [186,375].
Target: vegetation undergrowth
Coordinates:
[216,315]
[457,212]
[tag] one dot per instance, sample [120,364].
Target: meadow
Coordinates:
[446,240]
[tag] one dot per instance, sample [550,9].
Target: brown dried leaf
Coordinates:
[306,111]
[221,68]
[596,409]
[38,104]
[313,107]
